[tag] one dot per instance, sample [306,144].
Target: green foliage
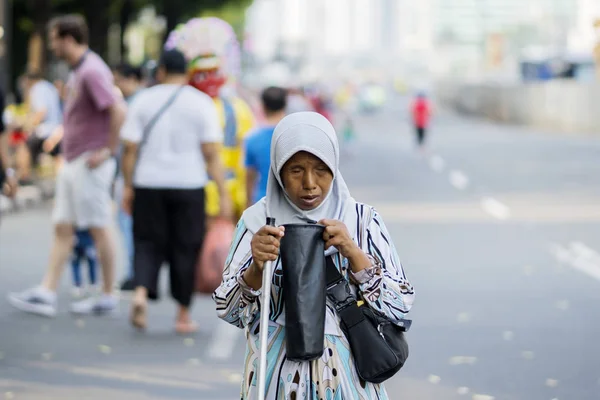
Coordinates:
[233,12]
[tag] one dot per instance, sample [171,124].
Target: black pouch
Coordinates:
[379,347]
[304,290]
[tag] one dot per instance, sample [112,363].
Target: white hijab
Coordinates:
[314,134]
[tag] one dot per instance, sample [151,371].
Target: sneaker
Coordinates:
[38,301]
[105,304]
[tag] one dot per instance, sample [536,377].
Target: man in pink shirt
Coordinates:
[93,115]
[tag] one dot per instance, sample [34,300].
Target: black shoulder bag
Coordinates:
[378,346]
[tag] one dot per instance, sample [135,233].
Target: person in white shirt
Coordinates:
[172,136]
[44,117]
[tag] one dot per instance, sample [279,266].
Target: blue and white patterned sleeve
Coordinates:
[237,302]
[385,287]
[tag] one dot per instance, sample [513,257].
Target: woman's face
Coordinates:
[306,180]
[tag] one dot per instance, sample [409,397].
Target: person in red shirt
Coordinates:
[421,114]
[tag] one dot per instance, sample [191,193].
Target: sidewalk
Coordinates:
[28,197]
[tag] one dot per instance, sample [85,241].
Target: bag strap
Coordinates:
[338,291]
[152,122]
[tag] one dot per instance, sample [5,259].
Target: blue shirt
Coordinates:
[258,157]
[44,96]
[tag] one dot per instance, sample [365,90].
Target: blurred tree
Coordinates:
[31,18]
[234,12]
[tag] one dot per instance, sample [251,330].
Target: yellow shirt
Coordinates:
[233,156]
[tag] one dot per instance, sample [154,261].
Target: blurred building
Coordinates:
[415,37]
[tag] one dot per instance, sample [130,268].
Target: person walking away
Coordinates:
[258,144]
[305,184]
[129,81]
[172,137]
[84,250]
[43,118]
[92,120]
[421,114]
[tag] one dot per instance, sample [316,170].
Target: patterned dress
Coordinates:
[333,376]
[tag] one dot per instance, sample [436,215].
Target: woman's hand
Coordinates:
[336,234]
[265,247]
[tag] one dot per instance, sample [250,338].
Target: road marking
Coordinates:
[578,256]
[458,179]
[463,390]
[126,376]
[224,341]
[483,397]
[584,251]
[495,208]
[437,163]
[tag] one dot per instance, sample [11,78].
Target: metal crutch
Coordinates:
[265,311]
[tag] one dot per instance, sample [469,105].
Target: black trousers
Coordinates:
[420,131]
[168,226]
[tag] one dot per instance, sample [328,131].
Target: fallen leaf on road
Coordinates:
[46,356]
[528,355]
[80,323]
[9,395]
[189,342]
[459,360]
[463,317]
[551,382]
[105,349]
[193,361]
[434,379]
[562,305]
[235,378]
[508,335]
[45,329]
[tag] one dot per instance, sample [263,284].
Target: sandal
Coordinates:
[186,328]
[138,315]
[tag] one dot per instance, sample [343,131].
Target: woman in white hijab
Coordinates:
[306,185]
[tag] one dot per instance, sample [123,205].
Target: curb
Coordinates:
[27,197]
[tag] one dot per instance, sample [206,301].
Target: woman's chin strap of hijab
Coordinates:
[312,133]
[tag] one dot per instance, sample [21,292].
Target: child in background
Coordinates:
[84,249]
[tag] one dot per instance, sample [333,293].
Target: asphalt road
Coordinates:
[498,229]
